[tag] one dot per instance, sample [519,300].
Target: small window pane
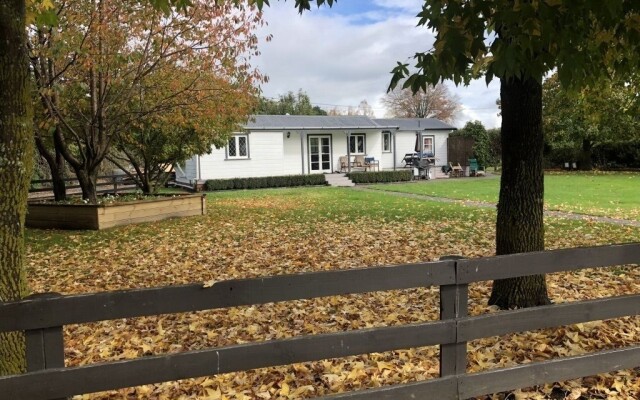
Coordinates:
[232,147]
[243,145]
[360,144]
[356,144]
[428,145]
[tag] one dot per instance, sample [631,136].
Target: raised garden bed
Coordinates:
[102,216]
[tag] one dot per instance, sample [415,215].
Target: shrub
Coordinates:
[265,182]
[618,154]
[380,177]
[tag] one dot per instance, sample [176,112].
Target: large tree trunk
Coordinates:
[520,226]
[55,160]
[57,177]
[88,184]
[584,162]
[16,164]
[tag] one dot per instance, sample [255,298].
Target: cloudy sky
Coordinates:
[343,55]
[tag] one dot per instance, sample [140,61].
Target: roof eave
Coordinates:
[315,128]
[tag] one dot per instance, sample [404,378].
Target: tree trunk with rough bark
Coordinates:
[584,162]
[87,180]
[16,164]
[57,178]
[519,226]
[55,161]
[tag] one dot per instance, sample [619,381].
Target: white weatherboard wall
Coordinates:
[187,172]
[292,164]
[266,158]
[272,153]
[373,145]
[386,158]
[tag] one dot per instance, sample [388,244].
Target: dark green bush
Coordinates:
[617,154]
[605,155]
[265,182]
[557,154]
[380,177]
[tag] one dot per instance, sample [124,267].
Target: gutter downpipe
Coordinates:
[348,151]
[302,150]
[394,149]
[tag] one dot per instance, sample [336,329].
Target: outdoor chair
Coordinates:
[456,171]
[344,163]
[371,164]
[358,161]
[475,169]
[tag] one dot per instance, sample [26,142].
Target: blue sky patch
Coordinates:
[359,12]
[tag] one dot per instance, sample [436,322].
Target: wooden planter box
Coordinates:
[102,216]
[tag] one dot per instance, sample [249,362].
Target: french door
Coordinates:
[320,153]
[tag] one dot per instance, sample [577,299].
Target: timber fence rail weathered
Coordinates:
[104,184]
[43,316]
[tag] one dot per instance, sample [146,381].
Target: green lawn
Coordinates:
[606,194]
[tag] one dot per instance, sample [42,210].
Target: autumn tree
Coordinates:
[290,103]
[17,145]
[190,102]
[434,102]
[131,63]
[201,117]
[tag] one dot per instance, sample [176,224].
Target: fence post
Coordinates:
[453,304]
[115,185]
[44,347]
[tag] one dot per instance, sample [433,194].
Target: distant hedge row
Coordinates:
[265,182]
[380,177]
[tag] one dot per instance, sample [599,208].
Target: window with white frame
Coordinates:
[386,142]
[357,144]
[428,146]
[238,147]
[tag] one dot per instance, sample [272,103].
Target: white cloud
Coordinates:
[343,58]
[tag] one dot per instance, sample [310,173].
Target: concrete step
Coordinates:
[338,180]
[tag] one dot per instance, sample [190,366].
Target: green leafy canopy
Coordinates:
[582,40]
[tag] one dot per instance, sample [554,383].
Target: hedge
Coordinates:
[611,154]
[265,182]
[617,154]
[380,177]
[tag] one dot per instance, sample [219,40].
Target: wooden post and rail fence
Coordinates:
[43,316]
[104,184]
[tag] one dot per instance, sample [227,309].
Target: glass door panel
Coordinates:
[320,153]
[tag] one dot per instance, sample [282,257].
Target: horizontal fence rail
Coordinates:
[104,184]
[64,310]
[43,317]
[545,262]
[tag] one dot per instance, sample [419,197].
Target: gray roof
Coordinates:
[293,122]
[415,124]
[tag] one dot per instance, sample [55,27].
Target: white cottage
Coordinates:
[276,145]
